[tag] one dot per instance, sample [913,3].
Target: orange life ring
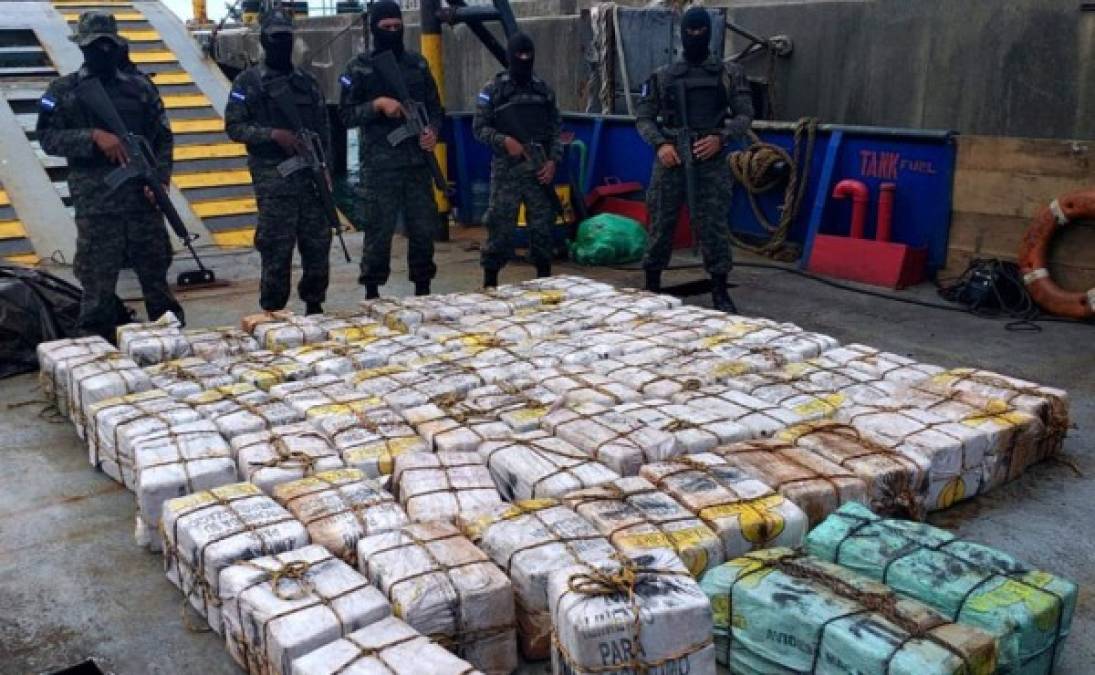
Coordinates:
[1033,250]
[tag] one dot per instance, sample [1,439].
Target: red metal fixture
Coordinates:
[861,196]
[884,228]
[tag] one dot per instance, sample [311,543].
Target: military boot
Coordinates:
[422,287]
[490,278]
[720,297]
[654,281]
[372,291]
[311,308]
[543,270]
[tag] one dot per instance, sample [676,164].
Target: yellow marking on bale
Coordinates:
[208,179]
[208,151]
[172,77]
[140,35]
[155,56]
[176,101]
[209,125]
[234,206]
[12,229]
[242,238]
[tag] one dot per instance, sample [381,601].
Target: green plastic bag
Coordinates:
[608,239]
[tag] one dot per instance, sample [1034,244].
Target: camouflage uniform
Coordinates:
[513,180]
[117,228]
[290,211]
[393,178]
[657,123]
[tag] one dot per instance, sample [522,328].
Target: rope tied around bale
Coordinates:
[296,571]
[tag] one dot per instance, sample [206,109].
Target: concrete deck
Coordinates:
[74,584]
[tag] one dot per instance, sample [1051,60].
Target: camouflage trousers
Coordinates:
[107,243]
[509,187]
[385,193]
[287,221]
[664,199]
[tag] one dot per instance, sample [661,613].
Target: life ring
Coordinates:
[1033,250]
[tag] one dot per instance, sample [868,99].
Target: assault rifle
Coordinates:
[684,140]
[416,116]
[309,156]
[536,154]
[141,166]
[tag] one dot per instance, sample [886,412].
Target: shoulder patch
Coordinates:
[47,103]
[646,88]
[346,81]
[237,95]
[483,97]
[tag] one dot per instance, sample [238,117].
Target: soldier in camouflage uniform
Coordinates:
[124,226]
[290,212]
[514,109]
[719,108]
[394,178]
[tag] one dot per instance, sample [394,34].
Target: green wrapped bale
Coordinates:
[778,611]
[1030,610]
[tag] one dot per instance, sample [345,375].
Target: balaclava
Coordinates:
[102,58]
[384,40]
[520,69]
[696,46]
[277,41]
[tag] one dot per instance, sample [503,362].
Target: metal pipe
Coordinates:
[861,196]
[884,227]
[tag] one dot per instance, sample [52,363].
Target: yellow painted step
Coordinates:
[5,200]
[211,125]
[28,259]
[12,229]
[210,179]
[73,17]
[159,56]
[234,206]
[176,77]
[175,101]
[208,151]
[243,238]
[140,35]
[92,3]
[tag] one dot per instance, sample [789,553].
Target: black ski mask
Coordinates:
[278,51]
[384,40]
[102,58]
[696,46]
[520,69]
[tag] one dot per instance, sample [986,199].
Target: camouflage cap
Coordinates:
[277,21]
[93,25]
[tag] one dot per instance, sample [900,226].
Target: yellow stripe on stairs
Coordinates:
[140,35]
[12,229]
[174,77]
[176,101]
[73,17]
[208,151]
[28,259]
[210,125]
[233,206]
[157,56]
[244,238]
[210,179]
[5,200]
[92,3]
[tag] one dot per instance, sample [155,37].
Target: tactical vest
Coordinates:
[270,114]
[523,113]
[133,102]
[706,96]
[415,71]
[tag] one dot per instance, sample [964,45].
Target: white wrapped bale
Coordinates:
[695,429]
[529,540]
[619,442]
[711,321]
[788,339]
[249,322]
[641,614]
[577,385]
[280,607]
[888,366]
[379,380]
[264,369]
[636,517]
[115,420]
[534,465]
[324,358]
[446,433]
[744,512]
[455,338]
[510,329]
[207,531]
[404,349]
[57,356]
[351,327]
[153,342]
[519,403]
[212,344]
[287,331]
[566,286]
[760,418]
[650,381]
[181,460]
[669,332]
[442,486]
[606,311]
[278,455]
[340,507]
[98,378]
[813,389]
[387,647]
[369,437]
[726,363]
[430,383]
[241,409]
[502,364]
[187,376]
[564,349]
[405,314]
[321,395]
[443,586]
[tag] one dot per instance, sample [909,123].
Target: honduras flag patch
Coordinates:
[646,89]
[483,97]
[47,103]
[346,81]
[238,96]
